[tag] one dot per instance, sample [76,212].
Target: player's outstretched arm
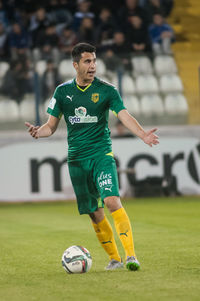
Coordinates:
[133,125]
[45,130]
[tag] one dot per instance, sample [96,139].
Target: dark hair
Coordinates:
[79,49]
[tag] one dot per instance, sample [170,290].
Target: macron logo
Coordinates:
[70,97]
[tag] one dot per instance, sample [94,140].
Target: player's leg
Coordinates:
[124,230]
[89,202]
[107,183]
[105,236]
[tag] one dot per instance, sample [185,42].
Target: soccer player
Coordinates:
[85,102]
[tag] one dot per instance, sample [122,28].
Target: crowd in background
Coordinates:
[35,30]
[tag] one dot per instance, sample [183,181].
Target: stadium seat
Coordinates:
[170,83]
[164,64]
[40,67]
[101,68]
[152,105]
[66,69]
[147,84]
[9,110]
[176,104]
[4,66]
[141,65]
[128,85]
[131,102]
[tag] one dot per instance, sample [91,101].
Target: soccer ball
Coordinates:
[76,259]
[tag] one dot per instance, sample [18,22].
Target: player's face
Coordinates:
[86,67]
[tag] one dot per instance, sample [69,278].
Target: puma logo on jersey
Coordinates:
[70,97]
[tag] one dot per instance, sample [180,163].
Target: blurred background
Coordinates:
[149,49]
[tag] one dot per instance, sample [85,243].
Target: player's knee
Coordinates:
[97,216]
[113,203]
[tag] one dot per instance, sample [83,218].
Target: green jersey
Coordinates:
[86,113]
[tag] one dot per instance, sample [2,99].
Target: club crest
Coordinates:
[95,97]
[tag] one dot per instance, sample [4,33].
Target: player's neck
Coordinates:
[82,82]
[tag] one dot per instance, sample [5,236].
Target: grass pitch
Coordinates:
[167,240]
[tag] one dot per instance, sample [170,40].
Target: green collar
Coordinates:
[83,90]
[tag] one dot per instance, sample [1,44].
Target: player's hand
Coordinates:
[150,138]
[33,130]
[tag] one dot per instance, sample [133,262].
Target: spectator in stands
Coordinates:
[3,15]
[69,5]
[138,36]
[113,6]
[46,45]
[167,7]
[105,29]
[18,80]
[83,11]
[152,6]
[4,48]
[19,42]
[21,11]
[86,31]
[29,6]
[38,23]
[23,18]
[50,79]
[67,40]
[161,34]
[130,9]
[111,61]
[58,13]
[118,55]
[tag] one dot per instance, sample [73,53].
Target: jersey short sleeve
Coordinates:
[54,107]
[115,101]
